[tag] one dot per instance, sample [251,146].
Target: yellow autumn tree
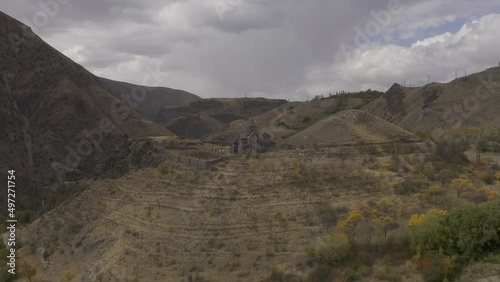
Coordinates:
[437,211]
[491,194]
[416,219]
[461,185]
[352,220]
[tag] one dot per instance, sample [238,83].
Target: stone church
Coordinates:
[251,140]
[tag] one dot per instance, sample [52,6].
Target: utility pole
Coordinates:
[456,74]
[428,79]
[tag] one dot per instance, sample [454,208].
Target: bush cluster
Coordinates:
[465,234]
[334,249]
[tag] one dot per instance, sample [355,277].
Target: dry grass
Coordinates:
[238,222]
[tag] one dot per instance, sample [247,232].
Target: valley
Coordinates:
[402,185]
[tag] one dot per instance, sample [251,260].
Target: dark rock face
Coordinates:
[395,101]
[430,93]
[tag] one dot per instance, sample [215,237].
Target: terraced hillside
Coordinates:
[259,217]
[237,222]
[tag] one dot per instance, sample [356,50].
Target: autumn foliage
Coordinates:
[352,220]
[468,232]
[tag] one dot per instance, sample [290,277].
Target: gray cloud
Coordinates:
[278,48]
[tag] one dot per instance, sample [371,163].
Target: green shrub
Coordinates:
[469,232]
[24,216]
[435,271]
[334,249]
[493,258]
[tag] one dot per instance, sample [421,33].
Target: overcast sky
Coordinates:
[289,49]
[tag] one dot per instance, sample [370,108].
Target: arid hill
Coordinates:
[55,115]
[290,118]
[208,117]
[248,218]
[350,127]
[152,99]
[237,222]
[470,101]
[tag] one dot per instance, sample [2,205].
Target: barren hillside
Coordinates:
[208,117]
[350,127]
[470,101]
[51,108]
[152,99]
[290,118]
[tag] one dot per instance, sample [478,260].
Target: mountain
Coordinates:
[152,99]
[56,117]
[350,127]
[290,118]
[206,118]
[470,101]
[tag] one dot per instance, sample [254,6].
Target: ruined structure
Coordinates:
[251,140]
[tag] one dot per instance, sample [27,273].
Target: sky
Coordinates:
[291,49]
